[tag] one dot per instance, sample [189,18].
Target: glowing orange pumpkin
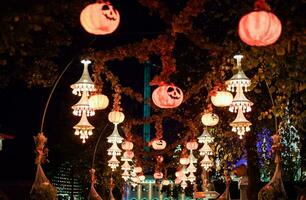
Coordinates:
[192,145]
[167,96]
[259,28]
[158,175]
[127,145]
[159,144]
[128,154]
[100,18]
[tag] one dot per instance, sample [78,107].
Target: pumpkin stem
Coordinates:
[261,5]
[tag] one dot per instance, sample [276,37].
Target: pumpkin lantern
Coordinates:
[167,96]
[192,145]
[210,119]
[98,101]
[116,117]
[222,99]
[259,28]
[127,145]
[128,155]
[159,144]
[100,18]
[158,175]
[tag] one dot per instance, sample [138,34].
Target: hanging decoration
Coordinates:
[167,96]
[98,101]
[157,142]
[219,96]
[84,84]
[240,104]
[100,18]
[210,119]
[260,27]
[83,128]
[206,150]
[83,106]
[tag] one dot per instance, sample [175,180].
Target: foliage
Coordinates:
[44,191]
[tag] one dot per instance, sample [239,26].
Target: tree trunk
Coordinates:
[253,168]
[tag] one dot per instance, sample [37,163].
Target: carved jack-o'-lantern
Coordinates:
[167,96]
[259,28]
[127,145]
[192,145]
[159,144]
[100,18]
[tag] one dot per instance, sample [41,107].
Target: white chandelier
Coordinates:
[83,128]
[83,106]
[240,125]
[206,163]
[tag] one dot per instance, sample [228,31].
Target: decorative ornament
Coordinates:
[116,117]
[159,144]
[165,182]
[84,84]
[100,18]
[240,125]
[240,101]
[114,150]
[127,145]
[138,170]
[239,79]
[206,150]
[126,166]
[191,168]
[206,163]
[113,163]
[184,161]
[83,106]
[221,98]
[115,137]
[183,184]
[260,27]
[210,119]
[128,155]
[191,177]
[98,101]
[83,128]
[192,158]
[205,137]
[167,96]
[142,177]
[192,145]
[177,180]
[125,175]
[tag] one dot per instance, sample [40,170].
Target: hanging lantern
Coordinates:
[116,117]
[191,168]
[127,145]
[192,145]
[125,175]
[158,175]
[135,179]
[128,154]
[210,119]
[113,163]
[115,137]
[239,79]
[126,166]
[184,161]
[206,163]
[205,150]
[240,125]
[98,101]
[138,170]
[167,96]
[222,98]
[83,106]
[240,101]
[192,158]
[114,150]
[83,128]
[159,144]
[84,84]
[100,18]
[205,137]
[259,28]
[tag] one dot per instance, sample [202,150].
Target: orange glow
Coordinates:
[259,28]
[167,96]
[100,18]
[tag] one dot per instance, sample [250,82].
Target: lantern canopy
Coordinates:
[113,163]
[240,101]
[114,150]
[205,150]
[205,137]
[84,84]
[222,98]
[239,79]
[206,163]
[240,124]
[83,128]
[83,106]
[115,137]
